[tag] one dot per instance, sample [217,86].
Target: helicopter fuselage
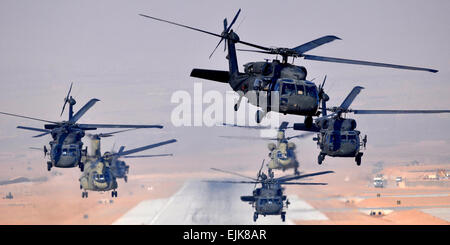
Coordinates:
[338,137]
[339,143]
[282,156]
[66,147]
[98,177]
[264,80]
[268,200]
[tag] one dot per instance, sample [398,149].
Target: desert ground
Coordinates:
[349,198]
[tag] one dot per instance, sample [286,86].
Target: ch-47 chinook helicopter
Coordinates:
[269,199]
[278,81]
[118,167]
[99,174]
[337,135]
[282,154]
[66,148]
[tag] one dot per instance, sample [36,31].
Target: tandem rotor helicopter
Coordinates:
[277,81]
[101,173]
[282,154]
[337,135]
[269,199]
[118,167]
[66,148]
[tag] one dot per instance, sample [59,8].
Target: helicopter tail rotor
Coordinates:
[226,30]
[67,99]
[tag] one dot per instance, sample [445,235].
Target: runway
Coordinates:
[204,203]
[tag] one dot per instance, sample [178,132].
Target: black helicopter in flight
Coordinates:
[66,148]
[278,85]
[269,199]
[337,135]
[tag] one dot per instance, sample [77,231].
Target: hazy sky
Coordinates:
[133,65]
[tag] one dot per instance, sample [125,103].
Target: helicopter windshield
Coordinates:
[288,89]
[101,177]
[311,91]
[262,201]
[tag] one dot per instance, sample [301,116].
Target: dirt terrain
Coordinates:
[349,197]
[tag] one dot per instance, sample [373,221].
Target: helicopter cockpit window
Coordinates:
[288,89]
[343,137]
[262,201]
[64,152]
[311,91]
[352,137]
[248,68]
[72,151]
[300,89]
[267,69]
[99,177]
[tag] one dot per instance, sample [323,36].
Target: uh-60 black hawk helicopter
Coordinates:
[269,199]
[66,148]
[337,135]
[277,81]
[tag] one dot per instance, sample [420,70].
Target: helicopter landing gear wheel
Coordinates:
[49,166]
[255,216]
[84,194]
[259,116]
[308,121]
[358,158]
[81,166]
[296,172]
[320,158]
[126,179]
[236,107]
[283,217]
[113,193]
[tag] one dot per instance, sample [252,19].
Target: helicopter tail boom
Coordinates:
[214,75]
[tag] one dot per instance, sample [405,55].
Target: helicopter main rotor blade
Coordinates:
[232,182]
[32,118]
[185,26]
[304,183]
[233,173]
[243,126]
[40,135]
[300,136]
[36,148]
[207,32]
[143,148]
[109,134]
[255,51]
[350,97]
[142,156]
[246,137]
[118,126]
[83,110]
[67,99]
[35,129]
[290,177]
[315,43]
[367,63]
[398,111]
